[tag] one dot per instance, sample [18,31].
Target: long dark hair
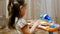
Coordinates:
[14,11]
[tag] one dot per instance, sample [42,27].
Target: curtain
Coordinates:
[35,7]
[56,10]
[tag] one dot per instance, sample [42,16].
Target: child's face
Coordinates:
[23,8]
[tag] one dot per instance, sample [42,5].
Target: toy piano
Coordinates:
[47,26]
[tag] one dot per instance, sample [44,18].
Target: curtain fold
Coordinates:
[34,8]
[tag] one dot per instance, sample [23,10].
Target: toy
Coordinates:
[46,17]
[47,25]
[51,27]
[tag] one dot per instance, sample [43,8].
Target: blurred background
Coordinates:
[34,8]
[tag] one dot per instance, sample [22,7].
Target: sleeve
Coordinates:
[21,23]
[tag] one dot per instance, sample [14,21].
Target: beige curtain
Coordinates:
[2,13]
[35,7]
[56,10]
[2,8]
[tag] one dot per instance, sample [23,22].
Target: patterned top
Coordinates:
[20,23]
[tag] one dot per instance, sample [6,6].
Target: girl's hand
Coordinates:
[36,23]
[25,29]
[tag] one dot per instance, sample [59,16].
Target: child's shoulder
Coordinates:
[21,23]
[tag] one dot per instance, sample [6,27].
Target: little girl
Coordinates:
[16,10]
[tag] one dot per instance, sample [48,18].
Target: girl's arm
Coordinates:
[27,30]
[36,23]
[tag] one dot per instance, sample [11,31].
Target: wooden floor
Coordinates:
[38,32]
[7,31]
